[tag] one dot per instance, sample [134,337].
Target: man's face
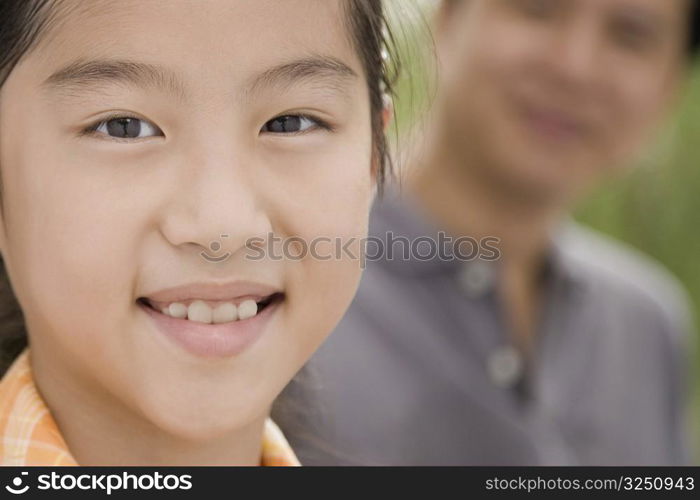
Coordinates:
[547,95]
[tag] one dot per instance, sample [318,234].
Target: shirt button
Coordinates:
[505,366]
[476,278]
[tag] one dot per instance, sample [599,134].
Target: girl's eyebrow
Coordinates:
[325,69]
[85,75]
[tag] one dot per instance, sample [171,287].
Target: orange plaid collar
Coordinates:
[29,435]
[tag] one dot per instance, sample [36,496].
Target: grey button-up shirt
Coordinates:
[421,371]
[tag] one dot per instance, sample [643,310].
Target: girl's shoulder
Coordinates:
[28,433]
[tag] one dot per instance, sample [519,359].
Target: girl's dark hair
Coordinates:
[23,22]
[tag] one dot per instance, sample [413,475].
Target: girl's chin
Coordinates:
[204,426]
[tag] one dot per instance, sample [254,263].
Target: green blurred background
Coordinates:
[653,207]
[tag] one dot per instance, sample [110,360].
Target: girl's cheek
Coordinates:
[67,238]
[326,210]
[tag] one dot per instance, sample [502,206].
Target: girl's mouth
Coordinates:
[213,329]
[214,312]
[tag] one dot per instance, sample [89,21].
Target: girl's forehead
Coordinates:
[207,40]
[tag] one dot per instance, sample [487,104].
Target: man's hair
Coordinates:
[694,32]
[693,27]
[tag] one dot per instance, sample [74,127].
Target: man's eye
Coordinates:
[634,35]
[292,124]
[125,127]
[536,8]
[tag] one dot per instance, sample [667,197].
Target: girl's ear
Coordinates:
[387,115]
[387,111]
[2,231]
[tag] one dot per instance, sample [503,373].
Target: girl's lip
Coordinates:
[212,340]
[261,301]
[234,291]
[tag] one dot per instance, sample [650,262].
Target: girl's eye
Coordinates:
[292,124]
[125,127]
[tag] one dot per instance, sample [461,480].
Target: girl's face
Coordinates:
[143,146]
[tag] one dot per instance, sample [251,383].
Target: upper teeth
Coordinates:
[201,312]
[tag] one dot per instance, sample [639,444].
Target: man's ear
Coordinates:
[443,15]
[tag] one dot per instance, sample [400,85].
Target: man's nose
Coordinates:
[575,55]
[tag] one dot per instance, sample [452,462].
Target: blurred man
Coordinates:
[568,349]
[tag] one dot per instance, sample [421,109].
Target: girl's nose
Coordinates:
[217,205]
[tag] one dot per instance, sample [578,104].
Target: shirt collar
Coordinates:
[398,222]
[400,215]
[29,435]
